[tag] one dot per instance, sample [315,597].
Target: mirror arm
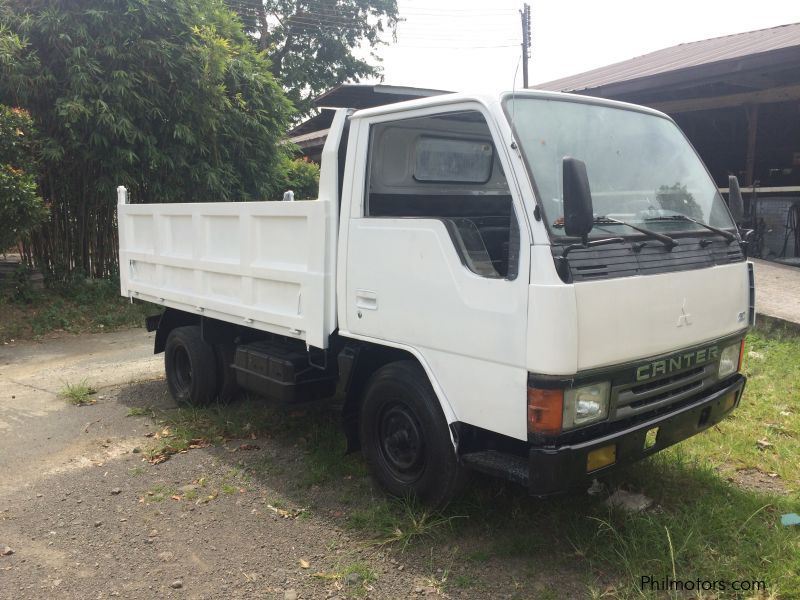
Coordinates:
[746,238]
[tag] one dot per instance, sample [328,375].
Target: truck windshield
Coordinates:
[641,167]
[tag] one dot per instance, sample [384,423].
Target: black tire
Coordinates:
[405,438]
[191,367]
[228,389]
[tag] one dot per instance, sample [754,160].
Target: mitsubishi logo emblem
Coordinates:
[684,318]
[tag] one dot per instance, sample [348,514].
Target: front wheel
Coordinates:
[191,367]
[405,437]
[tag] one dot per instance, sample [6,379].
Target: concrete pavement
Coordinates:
[777,291]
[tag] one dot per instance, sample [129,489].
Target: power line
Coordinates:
[408,46]
[323,18]
[308,18]
[326,7]
[421,35]
[402,33]
[328,12]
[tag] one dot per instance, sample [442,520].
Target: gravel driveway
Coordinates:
[86,517]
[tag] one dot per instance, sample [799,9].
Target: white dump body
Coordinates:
[266,265]
[260,264]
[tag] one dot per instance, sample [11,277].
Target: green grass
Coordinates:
[159,493]
[78,394]
[464,581]
[138,411]
[770,410]
[355,579]
[401,522]
[80,306]
[314,430]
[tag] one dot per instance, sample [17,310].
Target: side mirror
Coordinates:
[578,213]
[735,202]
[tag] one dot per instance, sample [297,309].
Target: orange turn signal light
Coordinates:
[545,411]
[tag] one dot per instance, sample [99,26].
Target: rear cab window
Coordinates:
[445,167]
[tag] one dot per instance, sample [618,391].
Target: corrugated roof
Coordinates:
[315,138]
[358,95]
[682,56]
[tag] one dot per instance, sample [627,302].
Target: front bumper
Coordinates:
[553,469]
[556,469]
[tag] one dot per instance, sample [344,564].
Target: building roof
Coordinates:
[366,95]
[319,121]
[686,62]
[311,133]
[310,140]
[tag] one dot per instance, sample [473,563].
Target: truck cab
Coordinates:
[538,286]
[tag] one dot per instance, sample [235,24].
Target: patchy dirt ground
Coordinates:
[87,517]
[758,480]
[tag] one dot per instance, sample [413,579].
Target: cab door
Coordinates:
[433,258]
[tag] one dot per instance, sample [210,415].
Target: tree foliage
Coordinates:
[312,43]
[301,176]
[21,209]
[169,98]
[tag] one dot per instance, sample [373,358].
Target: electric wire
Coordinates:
[425,33]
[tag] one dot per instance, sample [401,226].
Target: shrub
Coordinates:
[169,98]
[21,209]
[301,176]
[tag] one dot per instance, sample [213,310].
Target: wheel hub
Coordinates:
[403,444]
[183,368]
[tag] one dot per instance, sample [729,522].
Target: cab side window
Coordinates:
[446,167]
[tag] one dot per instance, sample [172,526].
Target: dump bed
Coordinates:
[266,265]
[260,264]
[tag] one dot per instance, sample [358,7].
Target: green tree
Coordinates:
[311,43]
[170,99]
[301,176]
[21,209]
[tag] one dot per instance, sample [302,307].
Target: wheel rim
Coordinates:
[183,369]
[402,442]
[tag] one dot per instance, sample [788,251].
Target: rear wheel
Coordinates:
[191,367]
[405,437]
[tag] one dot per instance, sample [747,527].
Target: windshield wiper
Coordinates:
[726,234]
[669,242]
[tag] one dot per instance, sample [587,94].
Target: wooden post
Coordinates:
[752,131]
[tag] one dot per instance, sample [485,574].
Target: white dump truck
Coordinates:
[537,286]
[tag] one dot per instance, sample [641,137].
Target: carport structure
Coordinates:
[737,97]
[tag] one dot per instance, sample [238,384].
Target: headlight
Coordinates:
[729,360]
[586,404]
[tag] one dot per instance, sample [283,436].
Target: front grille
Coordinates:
[643,388]
[631,399]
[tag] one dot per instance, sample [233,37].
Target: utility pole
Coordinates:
[525,15]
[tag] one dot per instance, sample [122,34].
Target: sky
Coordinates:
[475,44]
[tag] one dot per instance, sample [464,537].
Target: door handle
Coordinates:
[366,299]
